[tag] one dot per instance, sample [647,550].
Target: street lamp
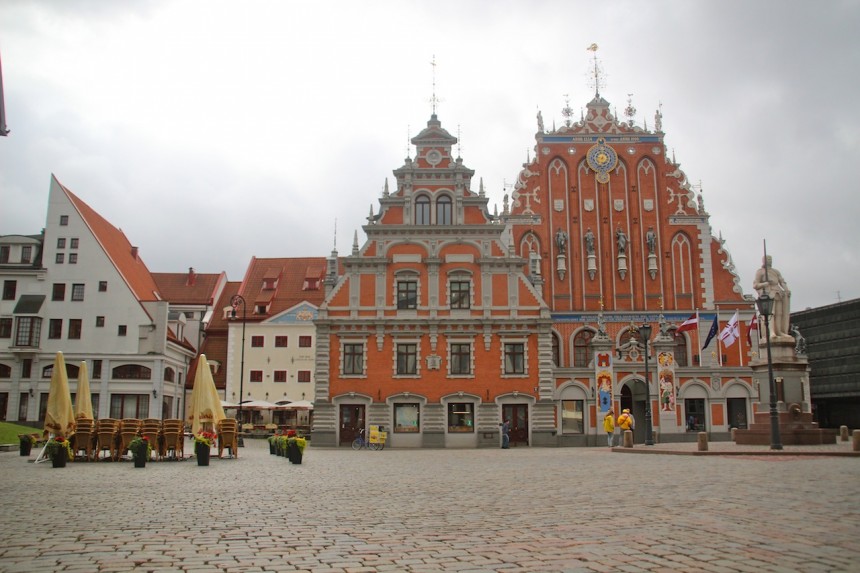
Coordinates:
[645,333]
[234,302]
[765,306]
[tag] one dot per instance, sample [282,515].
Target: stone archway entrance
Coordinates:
[633,398]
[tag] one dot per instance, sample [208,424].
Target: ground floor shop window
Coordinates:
[572,421]
[406,418]
[695,409]
[461,417]
[737,410]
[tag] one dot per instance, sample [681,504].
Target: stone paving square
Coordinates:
[523,509]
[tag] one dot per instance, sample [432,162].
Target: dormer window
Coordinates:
[270,279]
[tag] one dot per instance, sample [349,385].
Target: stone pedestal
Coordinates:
[791,375]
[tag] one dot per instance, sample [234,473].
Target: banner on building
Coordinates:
[603,380]
[666,377]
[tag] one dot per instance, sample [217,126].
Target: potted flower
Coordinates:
[273,443]
[59,450]
[27,443]
[296,448]
[202,443]
[140,449]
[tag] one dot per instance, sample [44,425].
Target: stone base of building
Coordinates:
[433,439]
[544,438]
[795,429]
[323,439]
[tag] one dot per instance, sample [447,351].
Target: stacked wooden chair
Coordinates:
[150,429]
[106,437]
[173,438]
[85,438]
[228,437]
[129,428]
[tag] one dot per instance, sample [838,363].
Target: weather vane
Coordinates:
[596,74]
[434,101]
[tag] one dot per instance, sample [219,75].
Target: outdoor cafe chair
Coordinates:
[106,436]
[128,430]
[84,437]
[173,435]
[228,436]
[151,430]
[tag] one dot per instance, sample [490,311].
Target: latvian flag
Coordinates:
[691,323]
[753,325]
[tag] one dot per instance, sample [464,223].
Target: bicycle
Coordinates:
[362,442]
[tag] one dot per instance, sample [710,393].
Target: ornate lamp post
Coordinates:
[765,306]
[645,332]
[234,302]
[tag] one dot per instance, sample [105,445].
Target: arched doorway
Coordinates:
[633,398]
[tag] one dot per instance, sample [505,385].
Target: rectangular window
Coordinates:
[281,341]
[129,406]
[100,321]
[571,417]
[73,243]
[515,358]
[407,359]
[9,290]
[304,375]
[60,258]
[305,341]
[4,254]
[280,375]
[75,328]
[73,258]
[461,417]
[5,328]
[28,331]
[102,286]
[406,418]
[461,358]
[26,253]
[61,243]
[58,292]
[460,291]
[256,376]
[353,359]
[23,406]
[77,292]
[257,341]
[407,295]
[97,369]
[55,328]
[64,220]
[121,330]
[27,368]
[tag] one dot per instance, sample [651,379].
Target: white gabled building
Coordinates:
[93,298]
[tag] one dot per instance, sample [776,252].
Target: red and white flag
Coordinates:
[691,323]
[753,325]
[731,332]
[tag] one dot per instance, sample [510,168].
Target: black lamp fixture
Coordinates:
[645,333]
[154,393]
[235,301]
[764,302]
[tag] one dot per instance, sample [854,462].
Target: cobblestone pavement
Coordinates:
[523,509]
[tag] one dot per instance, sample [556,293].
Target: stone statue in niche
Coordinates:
[651,240]
[621,240]
[589,242]
[561,241]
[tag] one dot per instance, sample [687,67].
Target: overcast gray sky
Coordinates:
[212,131]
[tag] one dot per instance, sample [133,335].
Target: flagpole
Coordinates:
[719,339]
[698,339]
[740,342]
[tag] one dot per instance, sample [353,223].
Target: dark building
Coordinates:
[832,338]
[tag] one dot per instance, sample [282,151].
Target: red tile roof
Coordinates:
[178,289]
[289,292]
[118,248]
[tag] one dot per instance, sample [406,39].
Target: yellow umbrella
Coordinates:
[206,410]
[59,417]
[83,401]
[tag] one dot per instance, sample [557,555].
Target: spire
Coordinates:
[481,187]
[596,77]
[385,193]
[3,130]
[355,243]
[433,100]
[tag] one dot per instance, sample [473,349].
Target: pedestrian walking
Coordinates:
[626,421]
[506,435]
[609,427]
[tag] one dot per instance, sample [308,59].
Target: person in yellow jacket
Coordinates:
[626,421]
[609,427]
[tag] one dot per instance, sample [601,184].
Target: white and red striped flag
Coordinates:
[752,325]
[691,323]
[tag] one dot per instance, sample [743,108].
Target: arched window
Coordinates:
[680,349]
[169,374]
[132,372]
[556,351]
[582,351]
[422,210]
[443,210]
[628,335]
[71,371]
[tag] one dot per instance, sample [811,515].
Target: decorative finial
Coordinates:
[433,100]
[593,49]
[335,234]
[355,243]
[408,142]
[385,192]
[459,142]
[566,111]
[481,187]
[630,111]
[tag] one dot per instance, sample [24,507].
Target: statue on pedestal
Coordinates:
[769,280]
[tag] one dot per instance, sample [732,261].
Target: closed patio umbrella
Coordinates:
[83,401]
[59,417]
[206,410]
